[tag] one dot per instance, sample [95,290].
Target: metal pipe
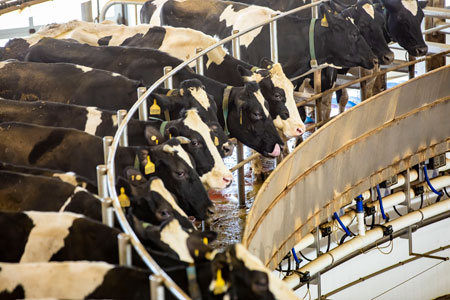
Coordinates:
[121,114]
[319,279]
[437,28]
[317,90]
[143,112]
[156,287]
[124,249]
[114,2]
[107,143]
[168,83]
[199,63]
[107,212]
[273,40]
[236,50]
[102,181]
[371,236]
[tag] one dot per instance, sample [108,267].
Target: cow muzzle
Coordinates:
[228,148]
[420,51]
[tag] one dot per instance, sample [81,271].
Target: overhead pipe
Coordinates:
[273,40]
[371,236]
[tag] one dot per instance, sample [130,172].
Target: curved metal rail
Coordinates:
[360,148]
[166,280]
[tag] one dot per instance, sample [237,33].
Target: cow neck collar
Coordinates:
[226,98]
[312,51]
[162,127]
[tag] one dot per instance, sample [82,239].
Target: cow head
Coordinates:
[150,201]
[371,25]
[240,275]
[340,41]
[174,166]
[403,18]
[201,145]
[249,119]
[278,90]
[170,237]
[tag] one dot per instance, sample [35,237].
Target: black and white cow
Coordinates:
[403,19]
[19,191]
[72,150]
[52,236]
[340,43]
[68,177]
[66,83]
[182,43]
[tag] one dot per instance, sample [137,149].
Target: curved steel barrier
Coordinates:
[360,148]
[159,277]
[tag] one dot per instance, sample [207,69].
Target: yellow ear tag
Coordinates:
[132,177]
[324,21]
[196,252]
[155,139]
[123,198]
[205,240]
[138,177]
[149,166]
[219,287]
[240,116]
[170,135]
[216,141]
[155,109]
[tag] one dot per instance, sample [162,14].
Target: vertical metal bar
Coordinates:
[143,112]
[408,204]
[273,40]
[121,114]
[411,68]
[318,253]
[314,10]
[156,287]
[107,212]
[124,249]
[199,63]
[107,142]
[317,90]
[236,49]
[102,181]
[168,83]
[362,86]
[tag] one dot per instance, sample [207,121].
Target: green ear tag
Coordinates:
[123,198]
[216,141]
[155,109]
[149,166]
[324,21]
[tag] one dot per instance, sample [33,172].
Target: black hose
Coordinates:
[301,254]
[329,242]
[343,239]
[439,197]
[397,212]
[421,201]
[445,190]
[373,221]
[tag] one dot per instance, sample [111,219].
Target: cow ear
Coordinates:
[123,186]
[244,72]
[265,63]
[173,131]
[208,236]
[163,101]
[391,4]
[422,4]
[134,176]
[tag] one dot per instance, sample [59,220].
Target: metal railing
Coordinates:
[109,194]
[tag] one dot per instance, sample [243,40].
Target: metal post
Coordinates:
[168,83]
[102,181]
[199,63]
[362,86]
[236,47]
[121,114]
[143,113]
[317,90]
[124,249]
[156,287]
[408,204]
[411,68]
[107,212]
[273,40]
[318,253]
[107,142]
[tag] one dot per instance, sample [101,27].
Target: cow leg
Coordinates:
[326,107]
[343,100]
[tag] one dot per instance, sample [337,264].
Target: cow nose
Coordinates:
[388,58]
[227,181]
[375,61]
[228,148]
[299,131]
[420,51]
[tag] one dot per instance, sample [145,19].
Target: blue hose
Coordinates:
[295,256]
[342,224]
[381,203]
[359,204]
[425,171]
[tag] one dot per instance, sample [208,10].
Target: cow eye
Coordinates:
[165,213]
[195,143]
[256,115]
[278,97]
[180,174]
